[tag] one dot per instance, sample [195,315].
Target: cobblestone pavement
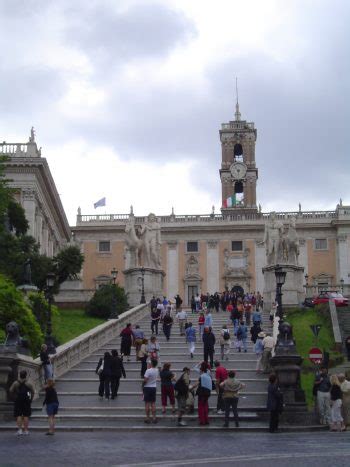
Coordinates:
[175,449]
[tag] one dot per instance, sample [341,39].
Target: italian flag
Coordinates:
[229,202]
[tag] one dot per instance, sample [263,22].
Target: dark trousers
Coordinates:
[274,420]
[209,353]
[143,366]
[220,405]
[104,386]
[154,326]
[114,385]
[167,330]
[231,402]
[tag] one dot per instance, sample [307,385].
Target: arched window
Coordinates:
[238,187]
[238,152]
[239,194]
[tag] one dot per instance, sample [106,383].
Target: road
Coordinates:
[175,449]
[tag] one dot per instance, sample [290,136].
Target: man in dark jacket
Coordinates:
[274,402]
[209,343]
[117,370]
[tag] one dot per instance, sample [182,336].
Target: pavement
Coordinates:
[175,449]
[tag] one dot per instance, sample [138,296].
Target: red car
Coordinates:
[324,297]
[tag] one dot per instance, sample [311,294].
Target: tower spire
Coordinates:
[237,113]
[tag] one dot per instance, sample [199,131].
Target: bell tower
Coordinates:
[238,173]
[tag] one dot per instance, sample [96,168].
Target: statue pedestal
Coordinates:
[293,289]
[153,284]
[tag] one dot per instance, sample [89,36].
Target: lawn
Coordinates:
[301,319]
[72,323]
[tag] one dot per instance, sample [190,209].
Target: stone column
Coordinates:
[29,205]
[212,266]
[343,258]
[172,270]
[303,256]
[260,262]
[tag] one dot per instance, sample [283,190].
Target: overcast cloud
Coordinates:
[127,98]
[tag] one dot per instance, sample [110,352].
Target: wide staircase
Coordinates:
[82,409]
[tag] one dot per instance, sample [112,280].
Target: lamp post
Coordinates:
[306,284]
[280,280]
[50,282]
[143,299]
[114,315]
[342,285]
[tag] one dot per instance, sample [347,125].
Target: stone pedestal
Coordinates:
[293,289]
[153,284]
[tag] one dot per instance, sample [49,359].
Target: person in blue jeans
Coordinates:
[242,334]
[191,338]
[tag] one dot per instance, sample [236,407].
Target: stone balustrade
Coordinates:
[19,149]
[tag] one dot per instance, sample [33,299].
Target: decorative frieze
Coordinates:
[212,244]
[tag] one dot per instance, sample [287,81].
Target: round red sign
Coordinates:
[316,355]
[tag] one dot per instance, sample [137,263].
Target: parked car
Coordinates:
[324,297]
[308,302]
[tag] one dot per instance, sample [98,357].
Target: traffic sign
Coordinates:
[315,328]
[316,355]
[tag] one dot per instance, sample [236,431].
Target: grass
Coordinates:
[301,319]
[71,323]
[2,336]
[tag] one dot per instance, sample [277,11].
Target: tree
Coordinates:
[101,303]
[13,307]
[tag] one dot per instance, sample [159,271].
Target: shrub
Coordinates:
[13,307]
[101,303]
[40,308]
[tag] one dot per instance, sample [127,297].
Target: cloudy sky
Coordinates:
[127,97]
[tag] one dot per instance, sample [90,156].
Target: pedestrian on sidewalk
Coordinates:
[322,387]
[138,337]
[201,321]
[153,349]
[225,342]
[117,370]
[167,388]
[204,387]
[103,370]
[259,349]
[242,334]
[220,376]
[209,345]
[150,392]
[337,421]
[181,391]
[274,403]
[23,393]
[46,363]
[268,342]
[208,319]
[51,402]
[127,338]
[231,387]
[181,316]
[191,338]
[155,318]
[142,356]
[167,323]
[345,389]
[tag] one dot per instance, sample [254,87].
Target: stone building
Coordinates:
[208,253]
[35,190]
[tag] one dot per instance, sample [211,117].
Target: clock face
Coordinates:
[238,170]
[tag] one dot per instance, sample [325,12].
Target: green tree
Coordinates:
[101,303]
[13,307]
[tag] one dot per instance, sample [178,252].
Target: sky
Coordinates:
[127,98]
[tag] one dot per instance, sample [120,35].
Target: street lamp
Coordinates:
[50,282]
[143,299]
[280,280]
[306,285]
[114,314]
[342,285]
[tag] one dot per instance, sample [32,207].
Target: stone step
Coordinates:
[132,372]
[247,363]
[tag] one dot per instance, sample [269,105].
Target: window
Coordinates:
[321,244]
[104,246]
[192,247]
[237,245]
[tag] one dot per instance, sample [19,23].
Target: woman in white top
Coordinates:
[225,342]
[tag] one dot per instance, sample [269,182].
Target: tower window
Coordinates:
[238,187]
[192,247]
[237,245]
[238,152]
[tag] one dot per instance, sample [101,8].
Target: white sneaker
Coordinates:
[220,412]
[19,432]
[26,432]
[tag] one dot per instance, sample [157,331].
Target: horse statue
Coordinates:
[134,244]
[292,243]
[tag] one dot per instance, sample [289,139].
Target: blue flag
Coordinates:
[100,202]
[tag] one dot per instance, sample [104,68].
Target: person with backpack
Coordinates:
[191,338]
[117,370]
[23,392]
[204,387]
[167,323]
[209,345]
[51,402]
[181,391]
[225,342]
[259,350]
[242,333]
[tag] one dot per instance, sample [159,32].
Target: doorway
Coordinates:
[191,290]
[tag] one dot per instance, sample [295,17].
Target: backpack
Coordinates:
[226,336]
[23,394]
[181,387]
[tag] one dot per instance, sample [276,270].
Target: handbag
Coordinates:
[99,371]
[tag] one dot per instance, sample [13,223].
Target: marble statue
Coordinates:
[133,244]
[273,240]
[32,135]
[150,235]
[79,211]
[291,244]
